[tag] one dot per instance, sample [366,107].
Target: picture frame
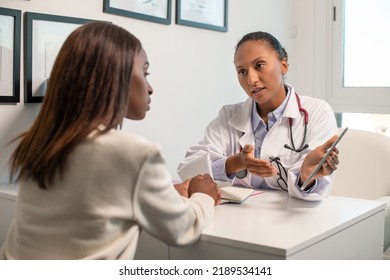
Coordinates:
[44,36]
[205,14]
[158,11]
[10,37]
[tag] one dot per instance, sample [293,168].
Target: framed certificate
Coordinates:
[208,14]
[10,28]
[44,35]
[151,10]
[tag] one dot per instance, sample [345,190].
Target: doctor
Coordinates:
[276,137]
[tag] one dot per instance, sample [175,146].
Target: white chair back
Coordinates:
[364,169]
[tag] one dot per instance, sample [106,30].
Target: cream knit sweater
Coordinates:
[114,186]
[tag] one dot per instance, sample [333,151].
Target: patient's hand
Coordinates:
[182,188]
[205,184]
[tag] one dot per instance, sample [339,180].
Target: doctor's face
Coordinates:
[260,72]
[140,89]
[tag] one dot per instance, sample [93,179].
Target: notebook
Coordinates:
[233,194]
[200,164]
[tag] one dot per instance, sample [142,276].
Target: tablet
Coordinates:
[323,160]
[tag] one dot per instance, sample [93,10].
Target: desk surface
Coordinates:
[8,191]
[274,223]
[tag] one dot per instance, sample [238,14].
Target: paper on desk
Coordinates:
[198,164]
[233,194]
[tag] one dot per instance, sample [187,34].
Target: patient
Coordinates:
[86,189]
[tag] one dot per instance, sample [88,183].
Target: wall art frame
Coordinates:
[10,36]
[44,35]
[158,11]
[204,14]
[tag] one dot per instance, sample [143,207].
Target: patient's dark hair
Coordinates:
[88,87]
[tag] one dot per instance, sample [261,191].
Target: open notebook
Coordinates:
[233,194]
[200,164]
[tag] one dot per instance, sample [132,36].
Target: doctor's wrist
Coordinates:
[234,164]
[301,180]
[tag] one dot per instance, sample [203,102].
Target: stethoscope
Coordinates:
[290,124]
[241,174]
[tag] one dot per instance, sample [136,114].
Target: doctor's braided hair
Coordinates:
[270,40]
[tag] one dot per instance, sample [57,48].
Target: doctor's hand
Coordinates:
[205,184]
[314,157]
[246,160]
[254,165]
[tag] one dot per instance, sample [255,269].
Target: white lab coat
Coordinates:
[232,129]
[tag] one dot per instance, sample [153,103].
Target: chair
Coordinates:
[364,171]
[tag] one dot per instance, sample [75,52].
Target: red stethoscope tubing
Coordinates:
[304,146]
[290,123]
[302,110]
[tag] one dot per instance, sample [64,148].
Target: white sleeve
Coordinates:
[220,141]
[322,128]
[162,212]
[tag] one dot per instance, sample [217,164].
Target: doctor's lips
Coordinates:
[258,90]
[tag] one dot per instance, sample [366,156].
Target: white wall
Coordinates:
[192,70]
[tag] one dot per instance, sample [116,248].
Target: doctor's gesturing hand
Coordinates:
[245,160]
[314,157]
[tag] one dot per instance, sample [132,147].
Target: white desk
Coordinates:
[272,225]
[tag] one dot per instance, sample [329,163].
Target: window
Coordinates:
[360,56]
[379,123]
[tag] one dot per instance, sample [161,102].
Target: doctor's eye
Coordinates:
[242,72]
[259,65]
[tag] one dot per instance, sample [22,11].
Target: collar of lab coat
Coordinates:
[242,119]
[292,109]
